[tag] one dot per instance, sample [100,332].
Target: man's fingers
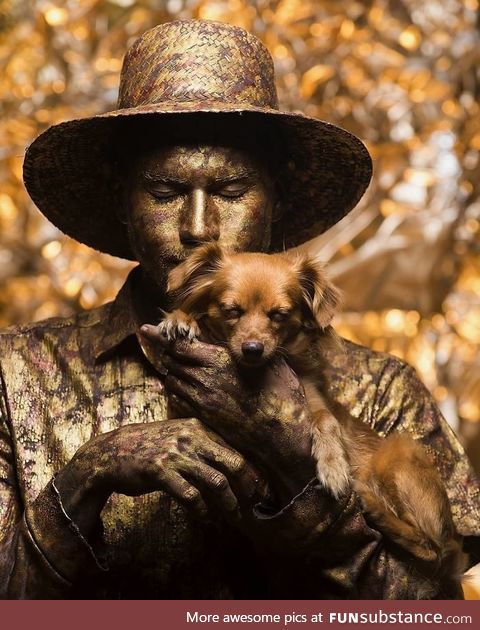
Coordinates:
[188,373]
[190,394]
[193,352]
[243,478]
[152,332]
[204,381]
[213,486]
[186,494]
[186,392]
[154,345]
[202,490]
[199,353]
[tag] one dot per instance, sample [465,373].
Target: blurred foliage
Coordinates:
[402,75]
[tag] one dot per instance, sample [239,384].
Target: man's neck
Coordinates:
[149,298]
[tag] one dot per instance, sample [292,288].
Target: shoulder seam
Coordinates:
[54,323]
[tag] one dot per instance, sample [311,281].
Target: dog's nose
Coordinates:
[252,349]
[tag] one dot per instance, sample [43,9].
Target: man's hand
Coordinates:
[261,412]
[181,457]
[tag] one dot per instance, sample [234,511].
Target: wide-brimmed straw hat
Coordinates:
[178,69]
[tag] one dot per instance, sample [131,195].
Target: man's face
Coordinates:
[184,195]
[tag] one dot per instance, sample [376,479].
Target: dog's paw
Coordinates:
[336,478]
[178,324]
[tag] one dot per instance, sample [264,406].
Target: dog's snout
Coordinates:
[252,349]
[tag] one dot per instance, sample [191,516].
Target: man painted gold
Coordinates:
[103,495]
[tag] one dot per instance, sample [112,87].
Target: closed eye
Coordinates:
[163,192]
[232,312]
[279,315]
[163,188]
[235,187]
[232,191]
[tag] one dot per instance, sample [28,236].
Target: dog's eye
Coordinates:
[232,312]
[279,315]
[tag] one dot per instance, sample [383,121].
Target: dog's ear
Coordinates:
[320,295]
[190,281]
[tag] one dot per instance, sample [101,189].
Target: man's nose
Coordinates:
[200,221]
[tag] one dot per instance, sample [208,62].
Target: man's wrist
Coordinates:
[292,475]
[298,527]
[81,494]
[59,538]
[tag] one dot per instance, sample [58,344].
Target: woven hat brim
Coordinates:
[69,174]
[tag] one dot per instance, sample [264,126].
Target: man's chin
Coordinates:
[164,261]
[174,259]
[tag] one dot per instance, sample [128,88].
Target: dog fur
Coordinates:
[283,304]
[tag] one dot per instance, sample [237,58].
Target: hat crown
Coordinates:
[197,60]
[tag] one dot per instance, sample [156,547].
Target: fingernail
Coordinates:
[145,328]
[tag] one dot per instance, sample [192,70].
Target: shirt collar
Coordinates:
[125,316]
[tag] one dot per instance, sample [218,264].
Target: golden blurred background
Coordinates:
[402,75]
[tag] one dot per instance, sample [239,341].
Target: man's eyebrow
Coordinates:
[156,176]
[238,176]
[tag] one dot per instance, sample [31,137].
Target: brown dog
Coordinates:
[264,305]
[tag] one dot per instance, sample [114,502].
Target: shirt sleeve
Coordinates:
[405,405]
[41,556]
[337,547]
[319,549]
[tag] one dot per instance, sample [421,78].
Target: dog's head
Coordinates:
[258,304]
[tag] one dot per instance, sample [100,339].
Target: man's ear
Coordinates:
[320,295]
[191,281]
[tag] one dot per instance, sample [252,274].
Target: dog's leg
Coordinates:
[179,324]
[328,448]
[333,468]
[404,495]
